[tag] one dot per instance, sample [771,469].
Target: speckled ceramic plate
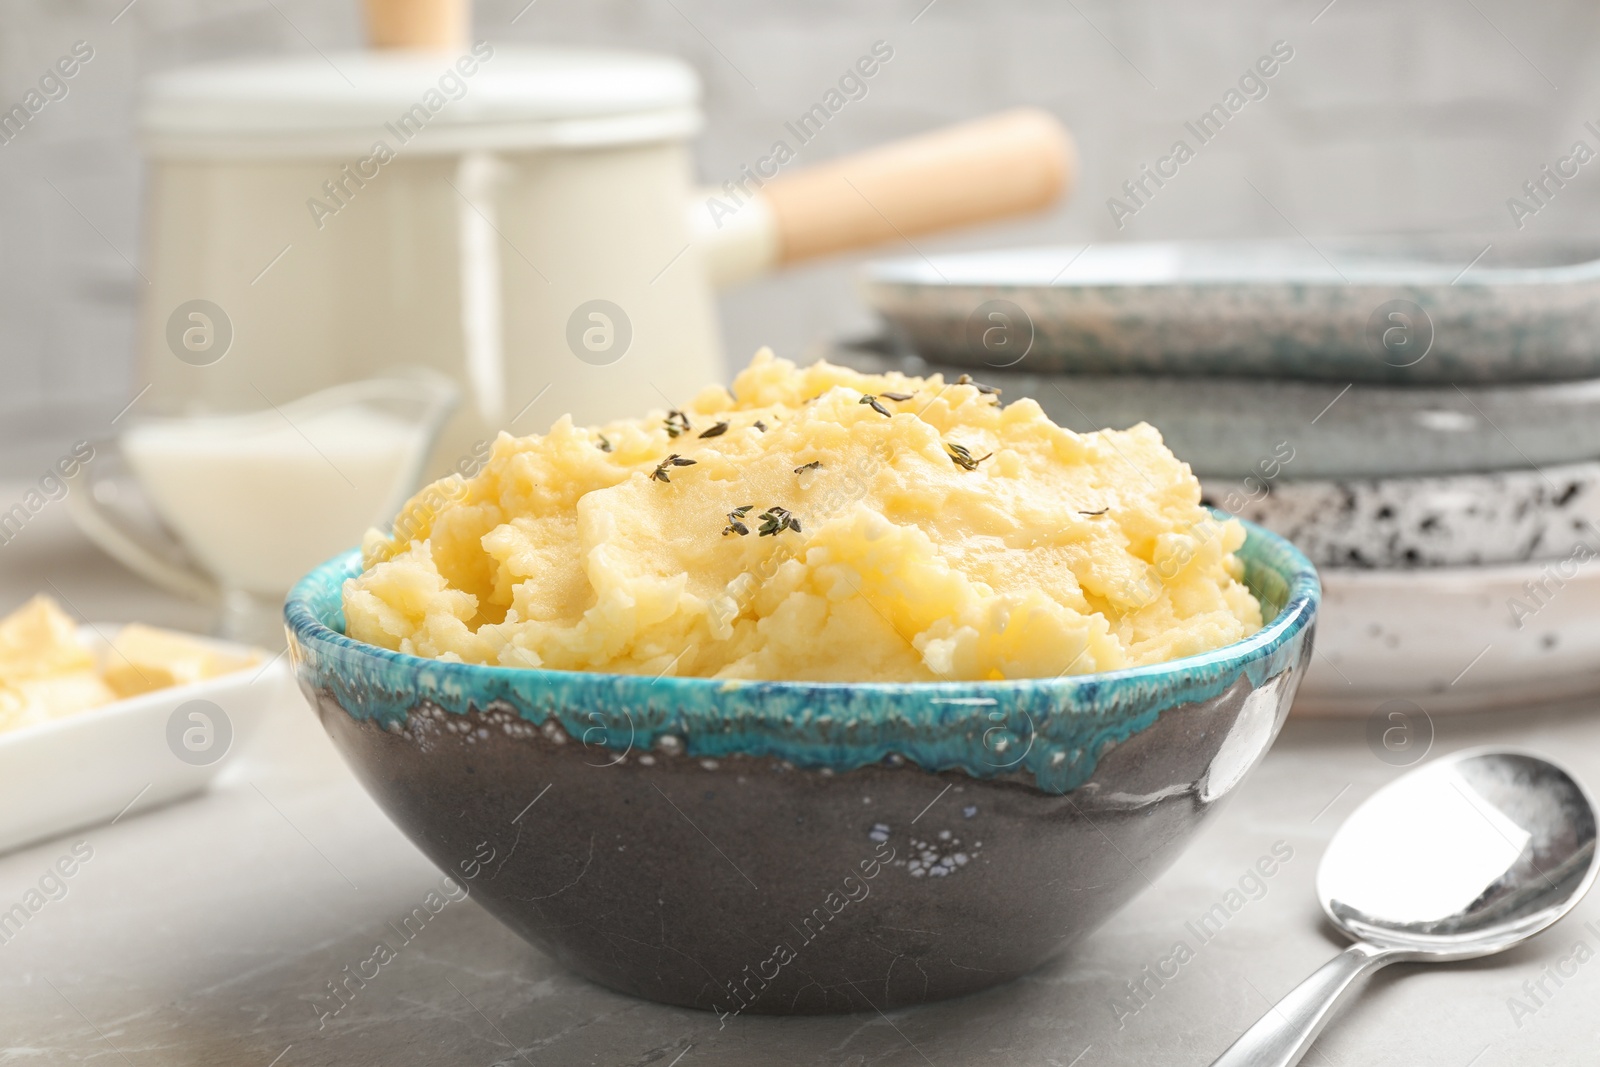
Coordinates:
[1239,427]
[1377,311]
[1441,521]
[1455,639]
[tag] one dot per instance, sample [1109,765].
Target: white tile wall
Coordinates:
[1418,116]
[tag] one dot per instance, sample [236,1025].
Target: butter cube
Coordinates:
[143,658]
[53,696]
[38,639]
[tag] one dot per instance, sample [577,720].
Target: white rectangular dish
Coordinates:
[93,766]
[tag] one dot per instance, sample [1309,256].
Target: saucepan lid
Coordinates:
[482,97]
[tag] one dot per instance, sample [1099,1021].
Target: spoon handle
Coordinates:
[1280,1037]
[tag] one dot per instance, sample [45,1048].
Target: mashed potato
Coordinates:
[816,524]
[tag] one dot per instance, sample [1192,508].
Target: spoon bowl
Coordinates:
[1463,857]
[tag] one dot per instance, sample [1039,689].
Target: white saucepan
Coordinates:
[524,220]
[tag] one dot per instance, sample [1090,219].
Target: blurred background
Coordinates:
[1422,117]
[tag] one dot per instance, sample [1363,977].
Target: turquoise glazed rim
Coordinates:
[1051,730]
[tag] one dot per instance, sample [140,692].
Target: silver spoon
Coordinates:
[1463,857]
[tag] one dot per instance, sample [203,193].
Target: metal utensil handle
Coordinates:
[1280,1037]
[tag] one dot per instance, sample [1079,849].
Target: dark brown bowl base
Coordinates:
[747,885]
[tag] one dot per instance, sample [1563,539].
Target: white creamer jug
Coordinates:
[233,508]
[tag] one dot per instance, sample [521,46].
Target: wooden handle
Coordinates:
[1007,164]
[436,24]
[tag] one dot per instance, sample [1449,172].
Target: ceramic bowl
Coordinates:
[1455,639]
[1231,427]
[1450,520]
[784,847]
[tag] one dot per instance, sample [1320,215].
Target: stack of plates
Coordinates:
[1429,445]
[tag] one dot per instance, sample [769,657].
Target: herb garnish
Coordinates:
[716,431]
[734,523]
[964,459]
[987,390]
[775,520]
[815,464]
[604,445]
[872,402]
[760,426]
[896,397]
[1102,511]
[674,460]
[677,423]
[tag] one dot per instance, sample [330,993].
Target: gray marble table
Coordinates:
[205,931]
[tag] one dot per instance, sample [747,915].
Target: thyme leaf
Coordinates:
[674,460]
[987,390]
[716,431]
[963,458]
[775,520]
[872,402]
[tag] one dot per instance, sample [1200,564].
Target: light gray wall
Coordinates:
[1422,116]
